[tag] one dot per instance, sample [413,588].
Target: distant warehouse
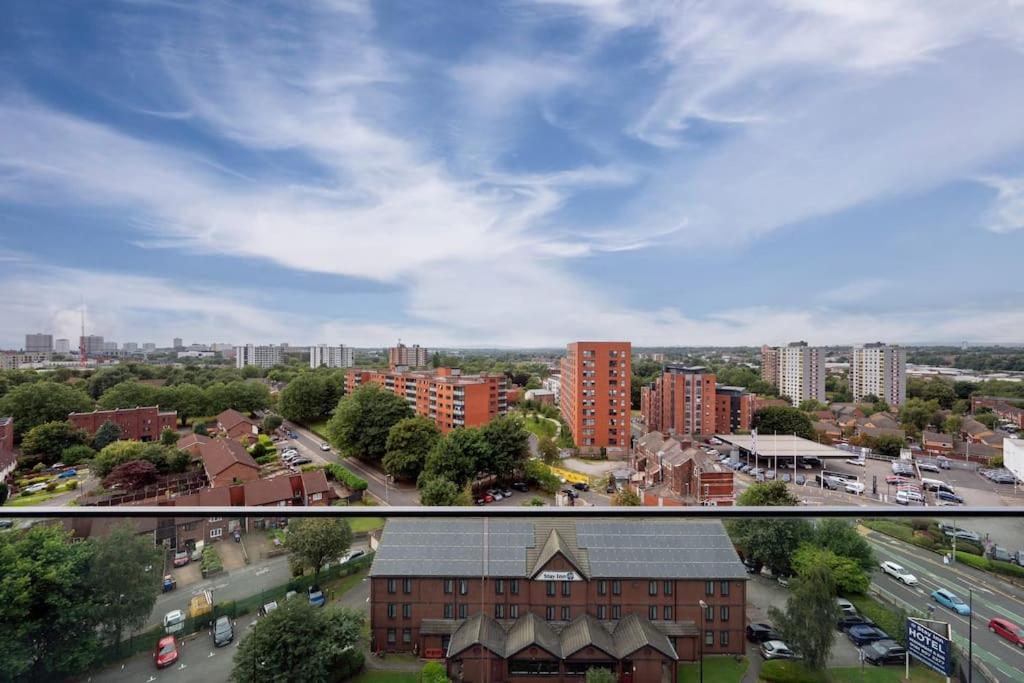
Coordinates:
[499,600]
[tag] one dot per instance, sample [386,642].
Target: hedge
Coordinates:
[985,564]
[211,561]
[338,473]
[892,621]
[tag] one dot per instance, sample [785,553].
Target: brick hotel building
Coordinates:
[594,395]
[504,600]
[446,396]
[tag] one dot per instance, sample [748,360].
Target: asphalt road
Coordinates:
[992,598]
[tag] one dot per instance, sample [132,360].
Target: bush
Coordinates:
[51,486]
[73,455]
[72,485]
[920,524]
[211,561]
[968,547]
[892,621]
[266,459]
[985,564]
[923,539]
[336,472]
[310,468]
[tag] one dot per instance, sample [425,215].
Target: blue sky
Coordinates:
[520,173]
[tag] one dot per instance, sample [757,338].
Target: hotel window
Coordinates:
[391,636]
[709,613]
[549,612]
[709,588]
[449,586]
[724,587]
[652,587]
[602,612]
[407,586]
[616,611]
[723,638]
[602,587]
[566,613]
[723,613]
[499,586]
[652,613]
[499,611]
[668,612]
[566,589]
[407,611]
[616,587]
[513,611]
[513,586]
[449,610]
[550,587]
[668,588]
[463,586]
[463,611]
[406,635]
[709,638]
[392,610]
[391,586]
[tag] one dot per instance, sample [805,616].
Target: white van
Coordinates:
[936,485]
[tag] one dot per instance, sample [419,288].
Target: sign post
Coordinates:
[927,645]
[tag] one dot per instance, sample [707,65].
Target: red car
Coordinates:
[181,558]
[166,652]
[894,479]
[488,498]
[1007,629]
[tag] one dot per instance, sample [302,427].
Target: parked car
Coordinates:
[166,652]
[507,493]
[895,480]
[67,474]
[610,488]
[351,555]
[964,534]
[948,497]
[884,651]
[1004,479]
[849,620]
[301,460]
[999,553]
[948,599]
[316,596]
[325,446]
[581,486]
[783,581]
[267,608]
[898,572]
[6,523]
[928,467]
[859,462]
[776,649]
[845,606]
[223,632]
[293,435]
[488,498]
[1007,629]
[174,621]
[800,480]
[181,558]
[761,632]
[786,477]
[35,488]
[906,497]
[863,634]
[855,487]
[521,486]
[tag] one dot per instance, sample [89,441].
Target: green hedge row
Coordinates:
[338,473]
[892,621]
[988,565]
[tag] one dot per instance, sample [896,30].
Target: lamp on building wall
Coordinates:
[700,638]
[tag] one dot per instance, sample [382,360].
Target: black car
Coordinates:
[760,633]
[581,486]
[864,634]
[521,486]
[6,523]
[853,620]
[884,652]
[570,493]
[223,632]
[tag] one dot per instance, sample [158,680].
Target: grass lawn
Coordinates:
[364,524]
[725,669]
[387,677]
[346,583]
[794,672]
[319,428]
[540,426]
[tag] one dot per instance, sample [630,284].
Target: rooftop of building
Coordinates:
[124,410]
[682,549]
[6,420]
[786,445]
[685,369]
[220,454]
[231,417]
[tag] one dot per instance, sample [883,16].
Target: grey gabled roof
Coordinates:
[531,630]
[555,545]
[655,549]
[585,631]
[633,633]
[479,629]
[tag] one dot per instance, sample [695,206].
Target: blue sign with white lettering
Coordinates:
[929,648]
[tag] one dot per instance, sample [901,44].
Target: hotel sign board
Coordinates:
[929,648]
[559,576]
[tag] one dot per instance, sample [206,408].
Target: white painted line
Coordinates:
[261,572]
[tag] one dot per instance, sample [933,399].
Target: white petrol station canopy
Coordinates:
[782,445]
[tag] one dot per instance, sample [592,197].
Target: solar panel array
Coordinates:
[681,550]
[453,548]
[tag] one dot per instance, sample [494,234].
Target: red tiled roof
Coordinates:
[267,491]
[220,454]
[315,481]
[191,440]
[231,417]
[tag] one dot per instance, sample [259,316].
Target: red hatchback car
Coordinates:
[166,652]
[1008,630]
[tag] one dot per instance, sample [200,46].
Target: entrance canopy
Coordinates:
[782,445]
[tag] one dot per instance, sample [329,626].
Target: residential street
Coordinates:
[992,598]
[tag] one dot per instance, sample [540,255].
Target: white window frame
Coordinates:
[216,532]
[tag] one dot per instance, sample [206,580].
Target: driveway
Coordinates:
[231,555]
[188,575]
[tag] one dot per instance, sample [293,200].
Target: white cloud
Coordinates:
[1007,211]
[855,291]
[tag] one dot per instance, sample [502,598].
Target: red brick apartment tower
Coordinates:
[595,395]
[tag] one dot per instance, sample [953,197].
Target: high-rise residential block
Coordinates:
[130,347]
[445,395]
[332,356]
[148,347]
[879,370]
[62,346]
[802,372]
[594,395]
[414,356]
[92,345]
[260,356]
[770,364]
[177,343]
[38,343]
[109,346]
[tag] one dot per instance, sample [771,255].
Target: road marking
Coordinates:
[261,572]
[211,655]
[151,679]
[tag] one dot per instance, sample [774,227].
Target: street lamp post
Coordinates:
[970,635]
[700,638]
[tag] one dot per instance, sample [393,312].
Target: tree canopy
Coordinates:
[307,397]
[809,623]
[848,576]
[123,577]
[108,433]
[315,541]
[783,420]
[360,425]
[48,440]
[34,403]
[438,491]
[842,538]
[457,457]
[508,445]
[769,542]
[130,394]
[408,444]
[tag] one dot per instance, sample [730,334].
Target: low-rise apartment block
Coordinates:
[444,395]
[137,424]
[260,356]
[522,599]
[594,395]
[331,356]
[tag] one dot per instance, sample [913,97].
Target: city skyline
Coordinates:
[548,169]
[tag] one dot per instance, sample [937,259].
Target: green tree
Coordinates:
[271,423]
[547,449]
[812,406]
[34,403]
[168,437]
[245,397]
[990,420]
[940,391]
[433,672]
[299,643]
[625,497]
[457,456]
[123,580]
[129,394]
[535,501]
[108,433]
[783,420]
[46,601]
[408,445]
[306,398]
[106,378]
[438,491]
[952,425]
[842,538]
[188,399]
[315,541]
[808,624]
[918,413]
[848,576]
[889,444]
[73,455]
[48,440]
[361,422]
[600,675]
[538,474]
[508,445]
[769,542]
[257,450]
[115,454]
[201,429]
